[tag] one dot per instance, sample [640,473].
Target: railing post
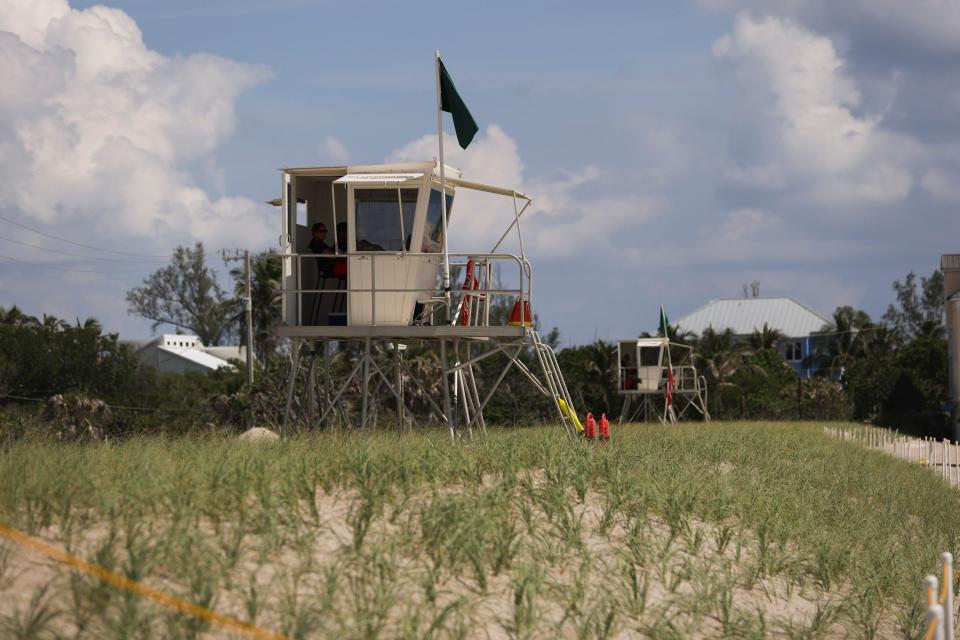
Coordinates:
[373,289]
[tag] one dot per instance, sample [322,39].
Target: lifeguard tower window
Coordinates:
[378,218]
[433,230]
[650,356]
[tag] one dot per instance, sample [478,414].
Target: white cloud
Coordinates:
[763,177]
[97,129]
[927,24]
[333,150]
[745,222]
[805,105]
[560,223]
[941,185]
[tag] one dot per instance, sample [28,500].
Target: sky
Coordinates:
[674,150]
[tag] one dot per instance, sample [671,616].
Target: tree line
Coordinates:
[890,371]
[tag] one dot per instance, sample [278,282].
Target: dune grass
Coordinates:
[720,530]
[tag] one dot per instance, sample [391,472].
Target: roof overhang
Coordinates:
[478,186]
[385,173]
[378,178]
[651,342]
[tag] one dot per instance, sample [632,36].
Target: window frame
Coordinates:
[450,193]
[793,347]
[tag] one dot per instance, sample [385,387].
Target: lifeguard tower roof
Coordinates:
[396,173]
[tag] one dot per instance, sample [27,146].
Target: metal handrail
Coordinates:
[524,268]
[684,377]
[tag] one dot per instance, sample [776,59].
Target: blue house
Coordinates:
[793,320]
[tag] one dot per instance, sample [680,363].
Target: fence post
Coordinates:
[934,623]
[930,588]
[943,456]
[947,598]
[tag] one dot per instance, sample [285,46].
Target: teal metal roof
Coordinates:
[744,315]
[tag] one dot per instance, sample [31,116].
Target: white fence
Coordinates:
[940,456]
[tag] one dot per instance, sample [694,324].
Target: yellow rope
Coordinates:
[122,582]
[931,630]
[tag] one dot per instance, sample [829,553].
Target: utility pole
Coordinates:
[247,304]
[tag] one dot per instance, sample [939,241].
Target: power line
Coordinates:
[78,244]
[51,266]
[78,255]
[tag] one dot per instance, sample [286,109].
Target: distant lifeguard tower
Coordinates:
[659,380]
[380,289]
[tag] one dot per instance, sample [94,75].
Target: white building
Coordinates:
[172,353]
[796,323]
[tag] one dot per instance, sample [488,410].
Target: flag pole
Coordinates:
[447,408]
[443,189]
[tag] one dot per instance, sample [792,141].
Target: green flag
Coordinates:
[452,103]
[664,323]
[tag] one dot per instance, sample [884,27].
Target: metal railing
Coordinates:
[484,263]
[684,377]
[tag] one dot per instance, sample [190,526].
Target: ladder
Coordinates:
[556,386]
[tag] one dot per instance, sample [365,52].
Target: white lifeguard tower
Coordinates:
[659,380]
[380,289]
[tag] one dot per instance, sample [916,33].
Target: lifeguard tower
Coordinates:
[659,380]
[378,288]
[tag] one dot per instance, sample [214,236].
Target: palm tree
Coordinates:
[680,336]
[765,338]
[53,323]
[91,324]
[14,316]
[842,341]
[719,355]
[604,370]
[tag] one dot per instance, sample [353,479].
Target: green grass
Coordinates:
[721,530]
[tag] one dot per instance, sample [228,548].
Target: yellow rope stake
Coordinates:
[121,582]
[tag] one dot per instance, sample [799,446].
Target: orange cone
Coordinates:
[521,306]
[604,427]
[590,427]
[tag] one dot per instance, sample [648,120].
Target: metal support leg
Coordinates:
[399,388]
[295,365]
[365,383]
[310,390]
[446,390]
[326,378]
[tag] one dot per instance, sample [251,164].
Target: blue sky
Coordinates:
[675,149]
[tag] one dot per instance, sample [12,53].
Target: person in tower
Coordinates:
[318,245]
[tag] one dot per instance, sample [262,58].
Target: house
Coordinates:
[795,322]
[173,353]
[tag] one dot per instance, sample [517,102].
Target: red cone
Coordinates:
[590,427]
[604,427]
[515,319]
